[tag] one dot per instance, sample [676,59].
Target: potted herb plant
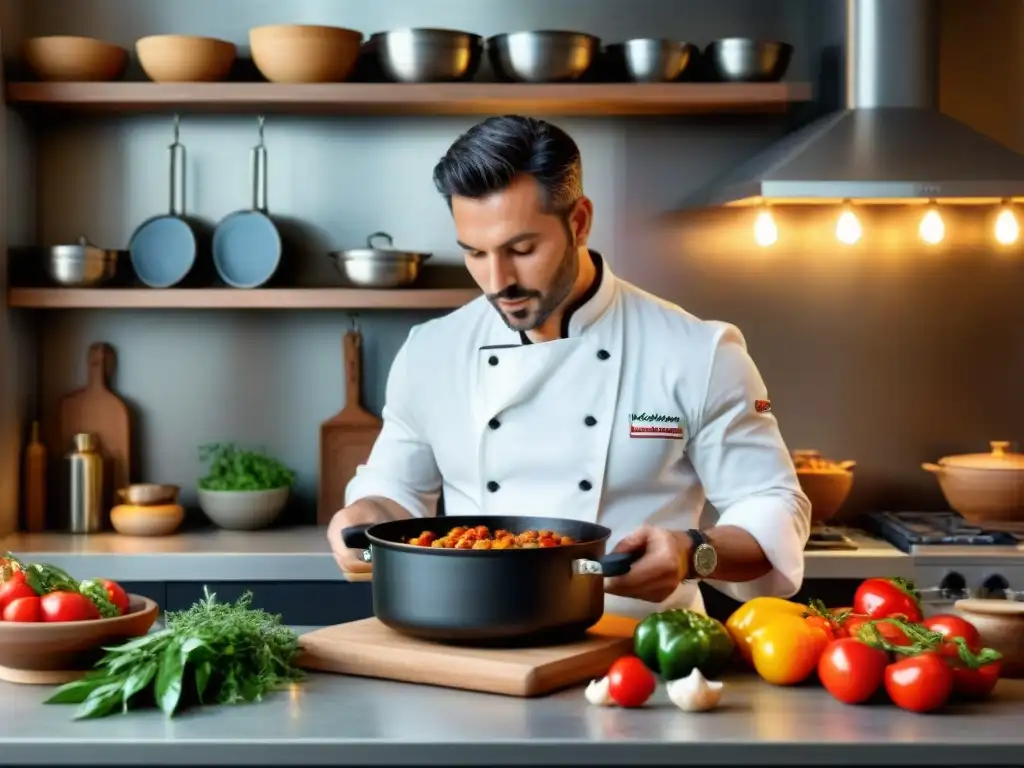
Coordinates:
[242,490]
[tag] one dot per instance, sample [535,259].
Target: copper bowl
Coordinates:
[825,482]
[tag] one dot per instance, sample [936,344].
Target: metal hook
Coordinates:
[259,127]
[177,127]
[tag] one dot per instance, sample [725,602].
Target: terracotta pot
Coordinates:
[983,487]
[827,483]
[1001,625]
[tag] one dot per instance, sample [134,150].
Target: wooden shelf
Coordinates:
[232,298]
[414,99]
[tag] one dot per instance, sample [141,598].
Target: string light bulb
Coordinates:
[1007,229]
[766,233]
[932,228]
[848,228]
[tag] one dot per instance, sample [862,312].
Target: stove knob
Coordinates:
[995,586]
[953,585]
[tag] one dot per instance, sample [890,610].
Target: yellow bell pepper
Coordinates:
[753,615]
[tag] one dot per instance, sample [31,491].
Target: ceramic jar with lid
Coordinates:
[985,488]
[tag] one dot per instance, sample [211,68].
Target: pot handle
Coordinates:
[933,468]
[612,564]
[355,536]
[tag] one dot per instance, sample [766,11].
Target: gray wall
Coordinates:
[888,356]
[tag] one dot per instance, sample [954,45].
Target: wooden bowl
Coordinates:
[50,653]
[825,482]
[1001,624]
[185,58]
[297,53]
[147,520]
[74,59]
[149,493]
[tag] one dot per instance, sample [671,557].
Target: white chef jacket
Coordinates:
[640,414]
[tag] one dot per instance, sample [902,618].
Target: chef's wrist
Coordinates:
[684,545]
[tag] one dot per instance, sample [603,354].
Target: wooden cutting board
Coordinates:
[98,411]
[347,437]
[367,648]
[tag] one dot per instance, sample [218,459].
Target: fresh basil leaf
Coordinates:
[169,677]
[204,670]
[77,691]
[100,702]
[137,681]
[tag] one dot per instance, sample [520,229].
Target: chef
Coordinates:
[567,392]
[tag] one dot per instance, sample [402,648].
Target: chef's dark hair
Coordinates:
[487,157]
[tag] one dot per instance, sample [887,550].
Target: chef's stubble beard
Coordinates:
[551,299]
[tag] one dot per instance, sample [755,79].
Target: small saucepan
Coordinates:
[379,267]
[163,249]
[81,265]
[246,244]
[488,596]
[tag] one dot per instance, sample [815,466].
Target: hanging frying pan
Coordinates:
[163,249]
[246,244]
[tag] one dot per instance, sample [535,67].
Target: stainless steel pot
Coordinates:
[741,60]
[374,267]
[427,55]
[545,56]
[81,265]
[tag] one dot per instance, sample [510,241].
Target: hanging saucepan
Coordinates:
[163,249]
[246,244]
[488,596]
[378,267]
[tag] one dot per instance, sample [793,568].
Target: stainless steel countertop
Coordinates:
[302,554]
[337,720]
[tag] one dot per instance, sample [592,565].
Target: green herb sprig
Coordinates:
[211,653]
[230,468]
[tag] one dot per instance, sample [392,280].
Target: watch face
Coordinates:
[705,558]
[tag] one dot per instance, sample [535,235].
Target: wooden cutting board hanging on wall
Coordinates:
[347,437]
[97,410]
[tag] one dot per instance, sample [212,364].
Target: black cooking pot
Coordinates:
[488,597]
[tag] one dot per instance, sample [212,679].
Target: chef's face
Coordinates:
[525,260]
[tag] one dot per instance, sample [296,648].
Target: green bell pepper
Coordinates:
[675,642]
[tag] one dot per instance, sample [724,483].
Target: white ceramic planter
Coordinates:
[243,510]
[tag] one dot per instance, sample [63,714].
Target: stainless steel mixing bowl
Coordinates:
[545,56]
[649,60]
[742,60]
[422,55]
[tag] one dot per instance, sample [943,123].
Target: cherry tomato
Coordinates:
[116,594]
[786,650]
[24,609]
[13,589]
[828,626]
[68,606]
[881,598]
[950,626]
[974,683]
[851,670]
[919,683]
[630,683]
[890,632]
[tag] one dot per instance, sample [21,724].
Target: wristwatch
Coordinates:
[703,557]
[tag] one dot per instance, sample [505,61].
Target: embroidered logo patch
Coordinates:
[762,406]
[655,425]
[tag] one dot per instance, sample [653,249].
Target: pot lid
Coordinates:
[372,251]
[999,457]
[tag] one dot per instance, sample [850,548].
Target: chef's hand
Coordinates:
[658,571]
[350,560]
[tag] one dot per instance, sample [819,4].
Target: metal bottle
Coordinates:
[85,486]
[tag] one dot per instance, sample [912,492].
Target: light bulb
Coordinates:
[765,231]
[932,228]
[1007,228]
[848,229]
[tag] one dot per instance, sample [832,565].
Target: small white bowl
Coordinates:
[243,510]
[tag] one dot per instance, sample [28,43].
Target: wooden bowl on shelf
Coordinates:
[185,58]
[66,58]
[825,482]
[51,653]
[302,53]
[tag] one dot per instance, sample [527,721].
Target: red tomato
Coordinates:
[919,683]
[25,609]
[630,683]
[950,626]
[975,683]
[829,627]
[852,671]
[881,598]
[116,594]
[68,606]
[12,590]
[889,632]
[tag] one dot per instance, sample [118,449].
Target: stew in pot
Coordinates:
[480,537]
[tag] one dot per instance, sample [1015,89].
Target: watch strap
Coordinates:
[696,538]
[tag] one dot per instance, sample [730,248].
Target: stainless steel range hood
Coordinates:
[891,143]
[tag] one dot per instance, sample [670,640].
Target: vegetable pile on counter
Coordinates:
[32,592]
[880,644]
[212,653]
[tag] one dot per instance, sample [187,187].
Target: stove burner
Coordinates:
[905,530]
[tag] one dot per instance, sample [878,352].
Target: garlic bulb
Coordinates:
[694,693]
[597,693]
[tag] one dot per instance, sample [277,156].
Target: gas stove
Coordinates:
[954,559]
